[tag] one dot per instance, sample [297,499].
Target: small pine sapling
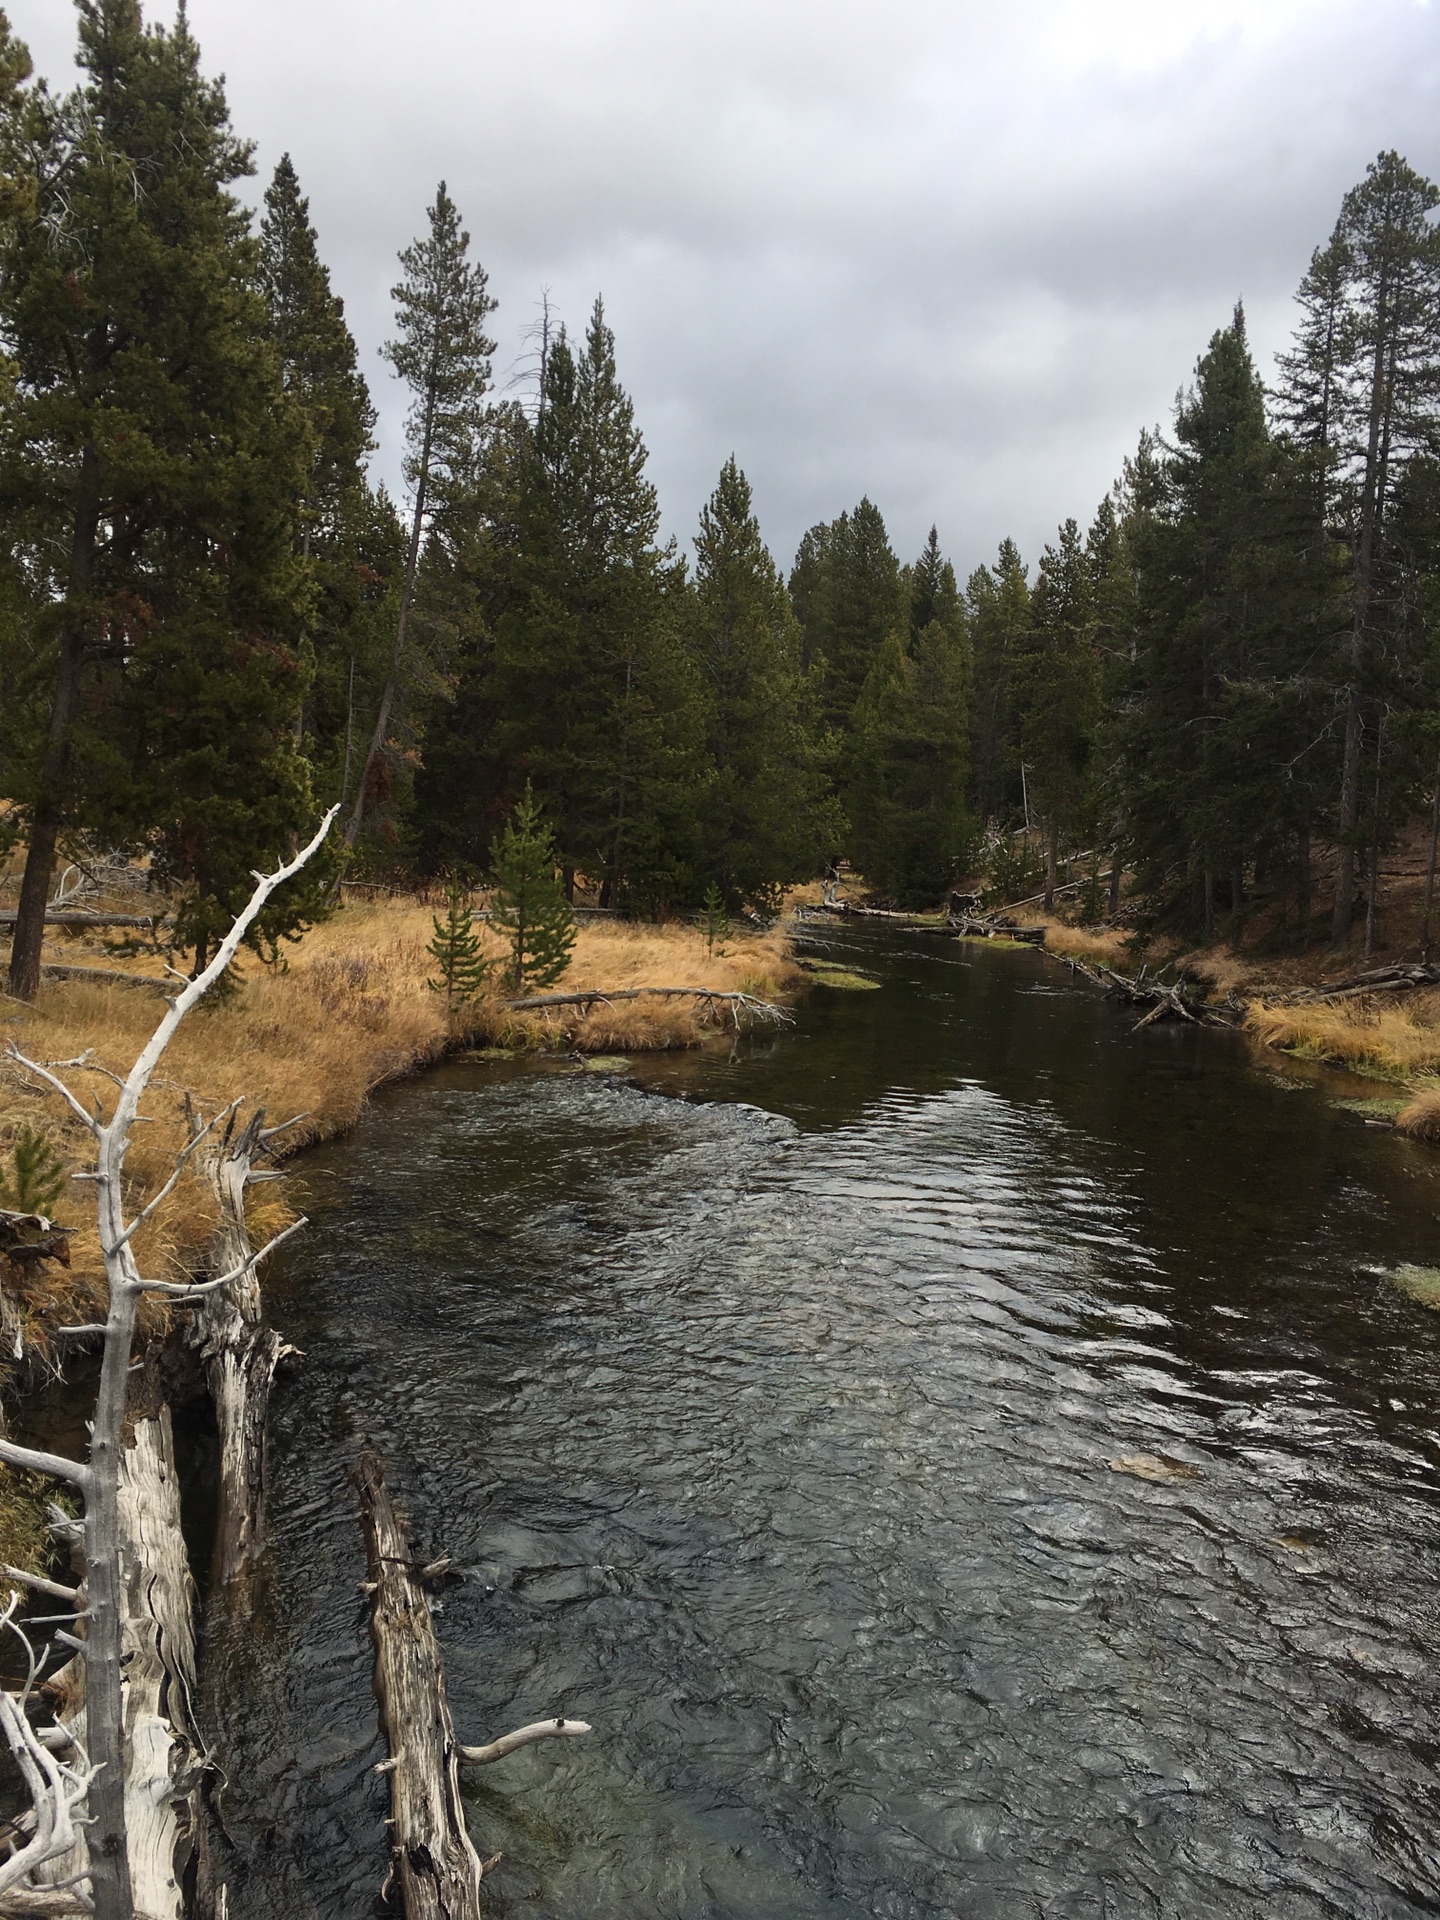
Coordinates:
[456,949]
[530,904]
[713,921]
[37,1177]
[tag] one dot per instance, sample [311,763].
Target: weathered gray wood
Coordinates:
[434,1861]
[157,1602]
[77,917]
[240,1354]
[112,975]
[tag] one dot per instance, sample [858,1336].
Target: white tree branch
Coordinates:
[87,1119]
[522,1737]
[197,1289]
[32,1460]
[182,1160]
[56,1788]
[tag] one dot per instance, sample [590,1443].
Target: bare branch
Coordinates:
[182,1160]
[86,1119]
[197,1289]
[41,1585]
[522,1737]
[32,1460]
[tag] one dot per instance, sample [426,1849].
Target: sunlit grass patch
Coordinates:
[1421,1283]
[1390,1040]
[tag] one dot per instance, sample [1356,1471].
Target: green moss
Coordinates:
[1421,1283]
[845,979]
[1370,1109]
[606,1063]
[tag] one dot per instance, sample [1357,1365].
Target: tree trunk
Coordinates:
[433,1859]
[1052,865]
[49,807]
[1430,867]
[1302,879]
[160,1784]
[397,656]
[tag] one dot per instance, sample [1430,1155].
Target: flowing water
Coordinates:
[769,1407]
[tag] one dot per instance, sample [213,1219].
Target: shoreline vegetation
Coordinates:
[350,1011]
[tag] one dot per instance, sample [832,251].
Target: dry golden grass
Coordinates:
[1422,1117]
[1397,1041]
[351,1011]
[1101,946]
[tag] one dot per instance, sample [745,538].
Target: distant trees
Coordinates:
[209,617]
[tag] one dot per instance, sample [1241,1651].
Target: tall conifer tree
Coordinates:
[442,353]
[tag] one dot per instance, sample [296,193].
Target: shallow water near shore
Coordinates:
[772,1426]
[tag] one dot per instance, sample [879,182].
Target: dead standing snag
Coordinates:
[98,1478]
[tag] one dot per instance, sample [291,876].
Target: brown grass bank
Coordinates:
[350,1011]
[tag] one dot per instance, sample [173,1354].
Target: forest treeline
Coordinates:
[213,622]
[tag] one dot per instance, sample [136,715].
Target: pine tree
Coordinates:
[908,760]
[442,353]
[1389,411]
[38,1179]
[530,904]
[766,816]
[851,597]
[597,698]
[456,949]
[997,604]
[1057,687]
[172,602]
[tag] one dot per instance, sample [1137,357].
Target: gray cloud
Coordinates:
[950,255]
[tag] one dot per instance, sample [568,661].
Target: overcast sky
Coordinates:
[949,255]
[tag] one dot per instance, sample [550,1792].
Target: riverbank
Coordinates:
[350,1010]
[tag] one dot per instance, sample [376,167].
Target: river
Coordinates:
[768,1404]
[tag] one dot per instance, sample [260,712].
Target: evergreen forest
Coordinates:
[1223,682]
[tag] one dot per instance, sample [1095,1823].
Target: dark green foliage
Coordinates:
[36,1180]
[850,597]
[151,470]
[597,698]
[1056,684]
[530,904]
[442,353]
[765,814]
[456,949]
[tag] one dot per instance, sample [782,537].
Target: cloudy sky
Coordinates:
[952,255]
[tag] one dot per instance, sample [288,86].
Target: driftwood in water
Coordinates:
[1166,999]
[240,1354]
[971,926]
[737,1003]
[432,1856]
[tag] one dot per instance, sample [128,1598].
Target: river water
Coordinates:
[768,1406]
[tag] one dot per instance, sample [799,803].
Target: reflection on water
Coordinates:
[772,1427]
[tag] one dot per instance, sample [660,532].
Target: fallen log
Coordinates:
[433,1859]
[113,975]
[432,1856]
[78,917]
[737,1002]
[1167,1000]
[1400,978]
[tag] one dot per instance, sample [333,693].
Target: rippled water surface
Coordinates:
[772,1428]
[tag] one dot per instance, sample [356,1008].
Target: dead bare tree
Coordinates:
[98,1478]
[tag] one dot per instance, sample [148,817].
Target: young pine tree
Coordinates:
[456,950]
[530,904]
